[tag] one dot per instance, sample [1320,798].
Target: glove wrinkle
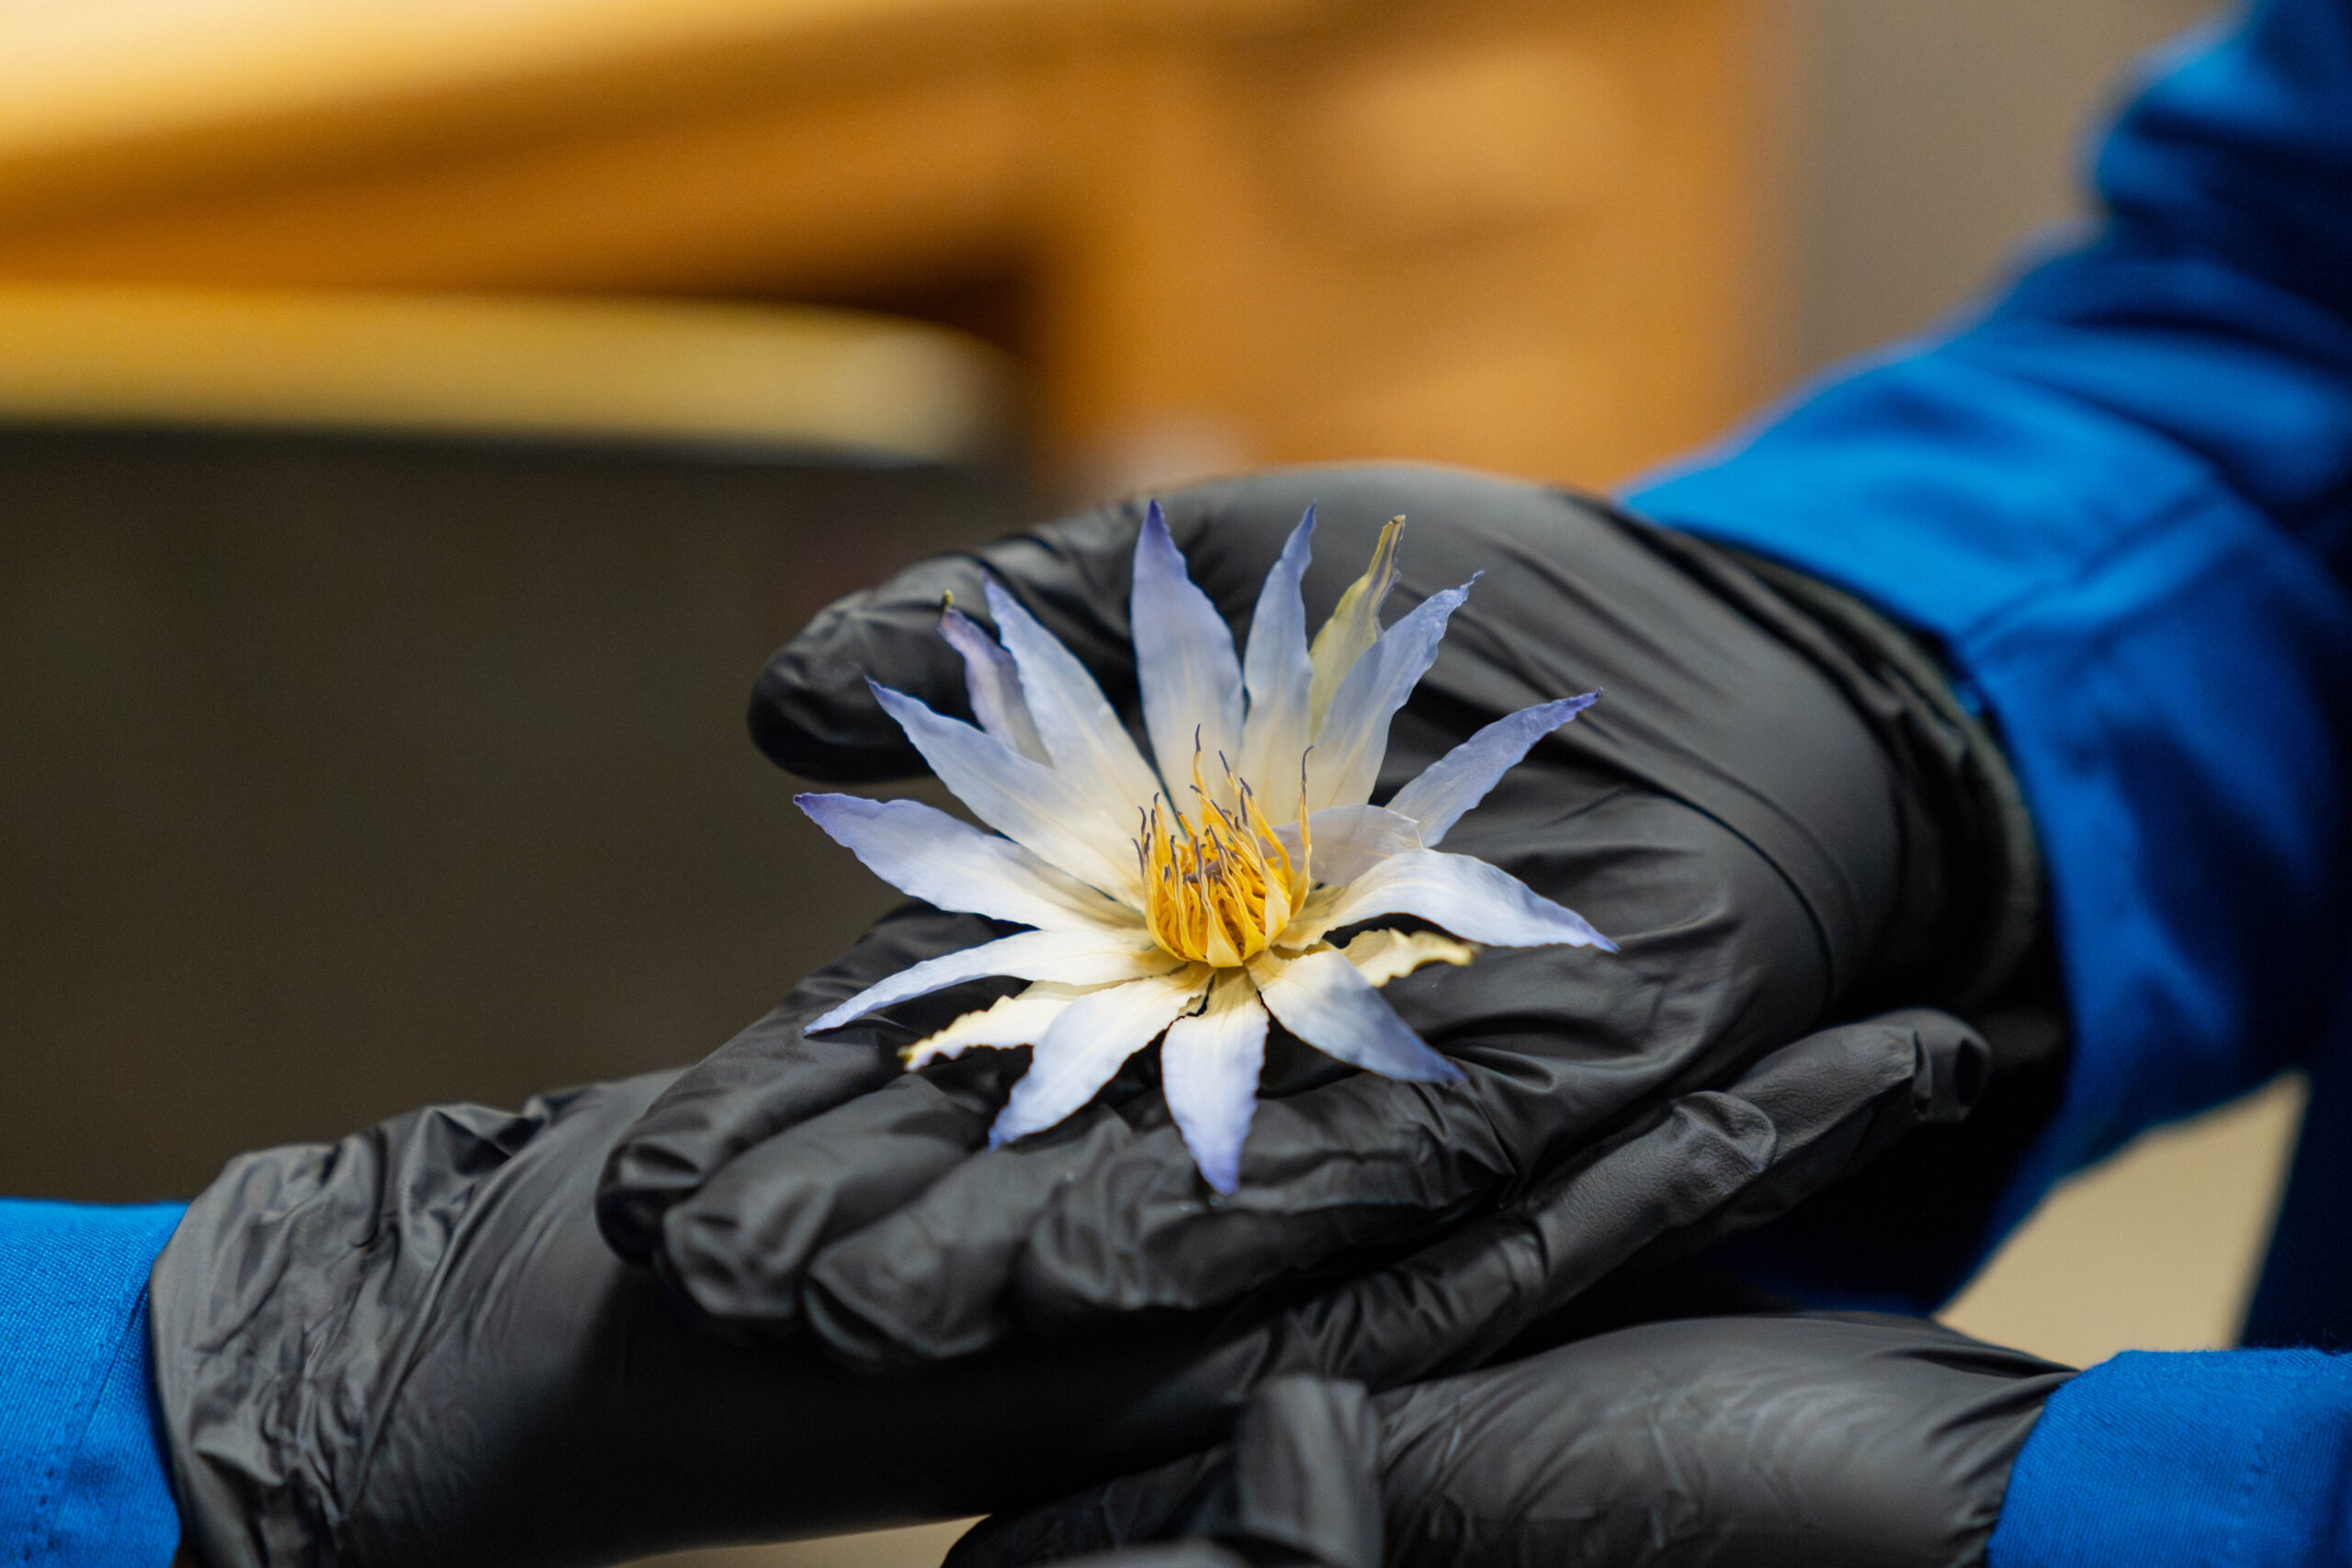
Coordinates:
[1304,1479]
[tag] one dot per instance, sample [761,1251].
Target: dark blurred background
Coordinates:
[344,773]
[418,420]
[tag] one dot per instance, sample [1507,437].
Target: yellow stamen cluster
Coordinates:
[1219,885]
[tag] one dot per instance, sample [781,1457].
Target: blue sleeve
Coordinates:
[2225,1459]
[2122,497]
[83,1483]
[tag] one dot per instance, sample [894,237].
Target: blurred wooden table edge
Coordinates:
[1538,236]
[841,382]
[105,103]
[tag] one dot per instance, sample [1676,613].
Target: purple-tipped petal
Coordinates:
[922,850]
[1025,801]
[993,683]
[1208,1069]
[1087,1043]
[1070,958]
[1476,901]
[1081,735]
[1323,1001]
[1184,664]
[1278,676]
[1354,736]
[1460,778]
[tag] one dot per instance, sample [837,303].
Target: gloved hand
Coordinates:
[1777,823]
[1833,1440]
[411,1348]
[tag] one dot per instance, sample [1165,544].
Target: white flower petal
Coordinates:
[1088,1042]
[1208,1068]
[1474,900]
[1350,839]
[1184,664]
[1278,676]
[922,850]
[1083,737]
[1025,801]
[993,683]
[1382,956]
[1460,778]
[1354,736]
[1322,999]
[1074,958]
[1017,1019]
[1354,625]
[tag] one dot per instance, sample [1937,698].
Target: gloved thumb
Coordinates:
[812,709]
[1299,1483]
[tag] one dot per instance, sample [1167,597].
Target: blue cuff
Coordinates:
[83,1482]
[2224,1459]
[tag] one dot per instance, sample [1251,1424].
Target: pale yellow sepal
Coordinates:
[1016,1019]
[1382,956]
[1354,625]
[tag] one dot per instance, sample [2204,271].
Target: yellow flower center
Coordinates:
[1219,884]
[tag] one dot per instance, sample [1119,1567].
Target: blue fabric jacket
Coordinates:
[2121,495]
[83,1483]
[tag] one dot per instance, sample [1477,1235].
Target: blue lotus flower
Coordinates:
[1190,901]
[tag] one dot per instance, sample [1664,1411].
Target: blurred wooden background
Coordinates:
[1538,235]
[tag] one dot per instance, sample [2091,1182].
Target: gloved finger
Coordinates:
[812,711]
[739,1247]
[1828,1441]
[773,1075]
[1717,1163]
[927,1281]
[938,1260]
[1709,1165]
[1298,1482]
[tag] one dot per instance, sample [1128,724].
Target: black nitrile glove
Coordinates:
[1835,1440]
[1779,823]
[411,1348]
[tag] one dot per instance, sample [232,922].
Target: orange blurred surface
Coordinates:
[1533,237]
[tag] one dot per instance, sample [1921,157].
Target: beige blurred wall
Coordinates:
[1933,135]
